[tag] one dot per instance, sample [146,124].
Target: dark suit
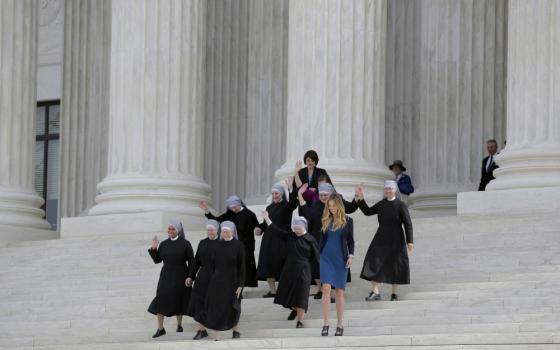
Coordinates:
[487,173]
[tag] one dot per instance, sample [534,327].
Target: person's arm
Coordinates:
[297,179]
[273,227]
[293,200]
[350,207]
[368,211]
[350,237]
[407,223]
[315,255]
[241,267]
[189,254]
[196,264]
[154,251]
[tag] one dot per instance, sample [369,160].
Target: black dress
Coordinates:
[222,309]
[273,248]
[201,272]
[172,295]
[245,222]
[293,289]
[313,214]
[386,260]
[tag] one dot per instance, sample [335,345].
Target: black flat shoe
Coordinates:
[200,335]
[269,295]
[299,324]
[318,295]
[236,335]
[339,331]
[292,315]
[325,331]
[394,297]
[179,329]
[159,333]
[333,300]
[372,296]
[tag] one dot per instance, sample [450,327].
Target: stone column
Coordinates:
[19,203]
[448,94]
[85,103]
[336,90]
[267,96]
[531,159]
[156,109]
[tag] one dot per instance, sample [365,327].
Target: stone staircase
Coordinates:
[477,283]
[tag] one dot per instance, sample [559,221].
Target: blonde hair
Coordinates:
[339,219]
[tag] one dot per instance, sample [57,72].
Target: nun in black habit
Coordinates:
[172,295]
[313,213]
[386,260]
[201,272]
[245,221]
[273,247]
[293,289]
[222,305]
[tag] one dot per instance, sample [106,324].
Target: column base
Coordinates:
[22,208]
[9,233]
[437,200]
[145,194]
[347,174]
[516,201]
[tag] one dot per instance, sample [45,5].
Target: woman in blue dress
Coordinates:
[337,251]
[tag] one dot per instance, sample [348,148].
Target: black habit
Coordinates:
[273,248]
[293,289]
[245,222]
[201,272]
[386,260]
[222,309]
[172,295]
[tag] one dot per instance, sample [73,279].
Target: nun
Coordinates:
[386,260]
[293,289]
[245,221]
[201,272]
[314,214]
[222,306]
[172,294]
[273,247]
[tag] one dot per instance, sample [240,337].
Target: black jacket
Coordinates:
[487,175]
[347,238]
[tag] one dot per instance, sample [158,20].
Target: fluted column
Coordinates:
[156,108]
[336,90]
[532,156]
[459,64]
[267,95]
[85,103]
[19,203]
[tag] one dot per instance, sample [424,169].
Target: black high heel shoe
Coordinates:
[339,331]
[159,333]
[325,331]
[299,324]
[292,315]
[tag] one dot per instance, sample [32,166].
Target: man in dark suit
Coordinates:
[488,164]
[403,181]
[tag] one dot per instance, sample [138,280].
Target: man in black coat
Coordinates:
[488,164]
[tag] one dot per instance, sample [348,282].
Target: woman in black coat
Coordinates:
[222,306]
[293,289]
[172,295]
[309,175]
[245,222]
[201,272]
[386,260]
[273,247]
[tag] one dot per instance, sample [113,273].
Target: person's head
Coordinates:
[277,192]
[492,146]
[390,189]
[228,231]
[212,228]
[311,158]
[325,191]
[322,179]
[299,225]
[397,167]
[234,204]
[333,213]
[175,228]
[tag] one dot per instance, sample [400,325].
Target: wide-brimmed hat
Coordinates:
[398,163]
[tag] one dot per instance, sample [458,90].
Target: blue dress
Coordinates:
[333,266]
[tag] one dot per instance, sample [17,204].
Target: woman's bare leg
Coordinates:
[326,303]
[339,295]
[160,321]
[272,285]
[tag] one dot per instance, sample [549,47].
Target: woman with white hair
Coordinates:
[172,295]
[222,307]
[201,272]
[386,260]
[302,250]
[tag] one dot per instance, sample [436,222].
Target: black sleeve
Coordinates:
[241,265]
[368,211]
[407,223]
[350,207]
[278,231]
[263,226]
[189,253]
[224,217]
[196,264]
[154,253]
[315,255]
[306,211]
[350,236]
[293,200]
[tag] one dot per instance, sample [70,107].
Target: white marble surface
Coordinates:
[50,49]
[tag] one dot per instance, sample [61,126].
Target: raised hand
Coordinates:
[257,231]
[202,205]
[299,165]
[410,247]
[264,214]
[188,282]
[238,292]
[303,188]
[155,242]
